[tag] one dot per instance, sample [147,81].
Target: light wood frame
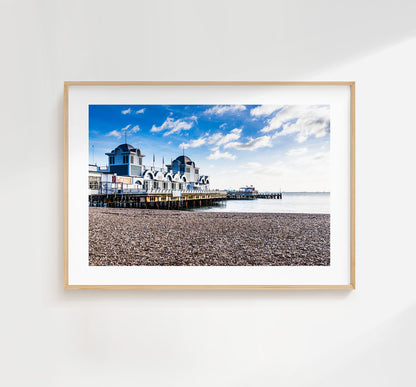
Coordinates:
[351,84]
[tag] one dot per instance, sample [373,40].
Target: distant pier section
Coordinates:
[250,193]
[269,195]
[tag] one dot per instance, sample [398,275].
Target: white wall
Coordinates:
[52,337]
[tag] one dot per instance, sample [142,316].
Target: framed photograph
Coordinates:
[209,185]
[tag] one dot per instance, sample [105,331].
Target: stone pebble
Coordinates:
[137,237]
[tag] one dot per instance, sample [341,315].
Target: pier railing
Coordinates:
[105,190]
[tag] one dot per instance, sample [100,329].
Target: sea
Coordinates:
[291,203]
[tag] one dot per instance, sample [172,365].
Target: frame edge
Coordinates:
[211,287]
[351,84]
[66,165]
[352,185]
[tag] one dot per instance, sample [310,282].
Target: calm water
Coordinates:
[292,202]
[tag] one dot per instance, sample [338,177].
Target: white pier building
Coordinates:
[127,173]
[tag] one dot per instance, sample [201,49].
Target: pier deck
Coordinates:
[160,199]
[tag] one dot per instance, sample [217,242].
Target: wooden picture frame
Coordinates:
[80,94]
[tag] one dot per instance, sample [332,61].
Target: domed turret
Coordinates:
[184,160]
[125,160]
[125,148]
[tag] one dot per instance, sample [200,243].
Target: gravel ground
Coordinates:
[125,237]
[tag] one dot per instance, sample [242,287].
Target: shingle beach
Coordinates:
[126,237]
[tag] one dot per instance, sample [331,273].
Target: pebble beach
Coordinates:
[135,237]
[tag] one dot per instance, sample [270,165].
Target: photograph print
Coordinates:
[209,185]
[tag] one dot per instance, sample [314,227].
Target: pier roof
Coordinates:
[126,147]
[184,160]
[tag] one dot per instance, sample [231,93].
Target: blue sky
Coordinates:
[272,147]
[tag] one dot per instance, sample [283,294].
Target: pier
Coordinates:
[156,199]
[119,197]
[249,195]
[241,195]
[269,195]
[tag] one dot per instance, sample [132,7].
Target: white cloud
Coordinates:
[221,139]
[286,129]
[214,138]
[233,135]
[173,126]
[251,165]
[319,158]
[276,169]
[264,110]
[114,133]
[306,121]
[296,151]
[217,139]
[194,143]
[129,111]
[221,155]
[270,170]
[227,172]
[222,126]
[219,110]
[118,134]
[252,144]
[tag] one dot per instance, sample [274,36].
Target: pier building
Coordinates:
[127,182]
[125,166]
[125,160]
[186,168]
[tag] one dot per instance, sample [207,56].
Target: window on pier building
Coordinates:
[132,159]
[125,159]
[111,159]
[94,182]
[188,169]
